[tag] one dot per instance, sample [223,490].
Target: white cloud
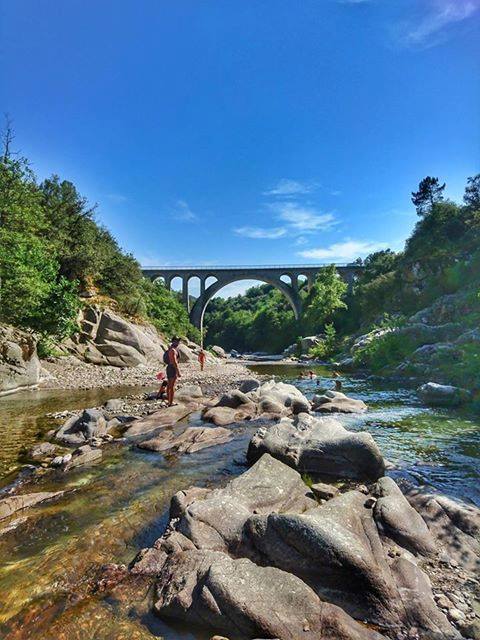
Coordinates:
[433,27]
[343,251]
[287,187]
[260,233]
[301,218]
[182,211]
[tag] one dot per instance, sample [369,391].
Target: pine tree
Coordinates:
[429,192]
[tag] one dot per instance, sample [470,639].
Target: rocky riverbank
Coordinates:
[312,541]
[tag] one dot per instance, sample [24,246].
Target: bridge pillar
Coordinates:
[310,282]
[202,286]
[185,296]
[168,283]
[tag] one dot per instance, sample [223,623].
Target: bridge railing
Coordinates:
[252,266]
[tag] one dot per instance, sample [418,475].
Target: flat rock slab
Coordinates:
[158,420]
[10,505]
[191,440]
[319,446]
[223,416]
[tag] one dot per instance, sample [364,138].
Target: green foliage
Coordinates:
[51,248]
[260,320]
[327,345]
[325,298]
[385,351]
[166,311]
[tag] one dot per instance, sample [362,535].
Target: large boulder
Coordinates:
[106,338]
[281,393]
[453,524]
[19,364]
[337,550]
[81,429]
[309,342]
[218,351]
[235,596]
[319,446]
[442,395]
[257,557]
[337,402]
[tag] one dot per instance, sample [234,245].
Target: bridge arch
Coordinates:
[290,293]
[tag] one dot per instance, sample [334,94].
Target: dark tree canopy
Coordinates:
[429,192]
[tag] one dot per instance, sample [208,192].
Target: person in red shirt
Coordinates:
[201,358]
[173,372]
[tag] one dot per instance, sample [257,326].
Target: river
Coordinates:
[112,510]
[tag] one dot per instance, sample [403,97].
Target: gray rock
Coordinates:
[84,455]
[319,446]
[190,391]
[335,548]
[250,384]
[78,430]
[443,395]
[237,596]
[106,338]
[191,440]
[218,351]
[455,524]
[300,405]
[278,392]
[323,491]
[337,402]
[233,399]
[147,427]
[19,364]
[399,521]
[41,451]
[230,554]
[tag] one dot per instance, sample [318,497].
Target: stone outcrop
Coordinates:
[191,440]
[319,446]
[238,596]
[255,401]
[105,338]
[19,364]
[443,395]
[260,558]
[337,402]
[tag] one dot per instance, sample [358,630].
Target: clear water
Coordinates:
[112,510]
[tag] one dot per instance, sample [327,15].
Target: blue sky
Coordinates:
[246,131]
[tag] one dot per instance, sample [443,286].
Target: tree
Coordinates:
[324,299]
[472,193]
[429,192]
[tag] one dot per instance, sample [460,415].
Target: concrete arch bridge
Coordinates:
[285,278]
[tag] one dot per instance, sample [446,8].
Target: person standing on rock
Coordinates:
[201,358]
[170,357]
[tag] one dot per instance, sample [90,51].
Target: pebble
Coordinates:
[456,615]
